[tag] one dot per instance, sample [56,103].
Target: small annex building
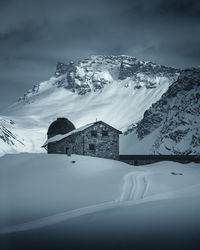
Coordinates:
[95,139]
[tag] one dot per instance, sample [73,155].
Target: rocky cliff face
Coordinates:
[9,140]
[131,67]
[175,117]
[93,73]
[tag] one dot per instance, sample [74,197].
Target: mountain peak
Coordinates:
[95,72]
[116,89]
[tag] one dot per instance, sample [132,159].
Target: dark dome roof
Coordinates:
[60,126]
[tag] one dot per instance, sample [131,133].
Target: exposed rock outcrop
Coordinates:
[176,117]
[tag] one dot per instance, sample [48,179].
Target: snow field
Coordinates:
[38,190]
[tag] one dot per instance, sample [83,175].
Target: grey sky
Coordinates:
[34,35]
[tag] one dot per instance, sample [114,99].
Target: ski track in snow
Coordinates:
[134,188]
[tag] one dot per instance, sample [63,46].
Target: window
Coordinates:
[94,133]
[91,146]
[104,133]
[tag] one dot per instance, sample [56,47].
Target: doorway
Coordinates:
[66,151]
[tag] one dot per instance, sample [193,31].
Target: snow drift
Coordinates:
[86,202]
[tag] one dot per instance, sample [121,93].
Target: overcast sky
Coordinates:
[35,35]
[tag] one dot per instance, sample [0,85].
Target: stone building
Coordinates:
[95,139]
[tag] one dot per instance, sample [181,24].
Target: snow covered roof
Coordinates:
[60,137]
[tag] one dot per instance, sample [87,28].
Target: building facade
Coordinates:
[96,139]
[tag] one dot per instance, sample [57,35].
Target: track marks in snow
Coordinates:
[135,186]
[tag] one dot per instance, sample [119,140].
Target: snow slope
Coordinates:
[171,125]
[10,142]
[96,201]
[36,185]
[115,89]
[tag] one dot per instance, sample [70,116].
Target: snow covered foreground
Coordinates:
[85,202]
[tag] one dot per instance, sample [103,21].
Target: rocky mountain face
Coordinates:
[175,118]
[93,73]
[9,140]
[131,67]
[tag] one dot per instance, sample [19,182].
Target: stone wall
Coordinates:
[105,146]
[73,143]
[138,160]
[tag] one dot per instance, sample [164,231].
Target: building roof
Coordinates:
[75,131]
[60,126]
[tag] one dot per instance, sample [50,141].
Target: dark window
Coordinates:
[91,146]
[94,133]
[104,133]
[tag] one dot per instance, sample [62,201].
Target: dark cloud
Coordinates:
[35,34]
[180,8]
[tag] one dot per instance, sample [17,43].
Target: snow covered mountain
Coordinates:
[171,125]
[93,73]
[10,142]
[115,89]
